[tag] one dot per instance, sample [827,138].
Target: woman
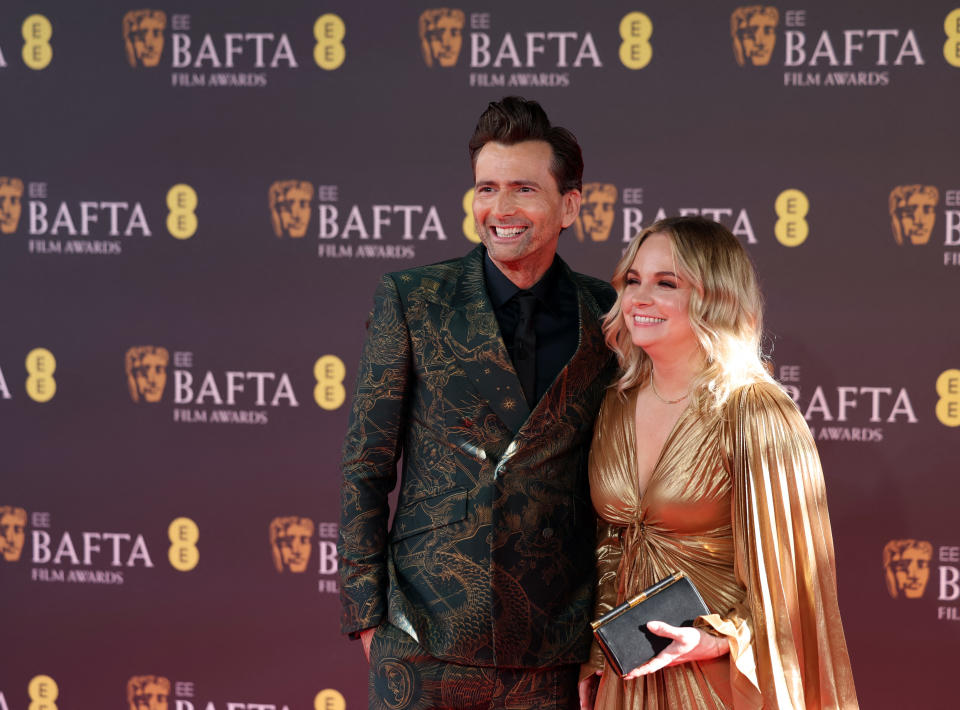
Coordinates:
[700,463]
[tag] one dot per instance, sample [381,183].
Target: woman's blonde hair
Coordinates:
[726,309]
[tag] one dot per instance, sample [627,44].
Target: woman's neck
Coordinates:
[673,377]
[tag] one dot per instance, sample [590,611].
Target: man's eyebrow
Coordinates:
[531,183]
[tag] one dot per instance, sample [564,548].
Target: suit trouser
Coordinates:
[404,677]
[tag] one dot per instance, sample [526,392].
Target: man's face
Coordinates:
[916,217]
[10,207]
[151,697]
[294,544]
[758,37]
[294,210]
[912,571]
[445,37]
[596,212]
[147,40]
[151,377]
[11,536]
[517,206]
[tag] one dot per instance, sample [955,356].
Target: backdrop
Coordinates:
[197,200]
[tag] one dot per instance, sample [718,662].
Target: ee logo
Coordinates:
[183,553]
[37,52]
[329,31]
[635,31]
[329,372]
[43,692]
[948,406]
[329,699]
[951,48]
[41,365]
[791,228]
[469,224]
[182,203]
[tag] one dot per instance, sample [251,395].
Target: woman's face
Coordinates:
[656,302]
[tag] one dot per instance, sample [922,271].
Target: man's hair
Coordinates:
[514,120]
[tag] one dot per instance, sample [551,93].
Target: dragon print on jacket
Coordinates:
[489,560]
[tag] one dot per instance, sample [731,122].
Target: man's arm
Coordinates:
[371,450]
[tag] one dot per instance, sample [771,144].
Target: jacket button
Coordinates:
[547,532]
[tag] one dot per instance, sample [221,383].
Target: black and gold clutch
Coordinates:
[622,632]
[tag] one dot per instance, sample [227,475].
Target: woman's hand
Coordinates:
[689,644]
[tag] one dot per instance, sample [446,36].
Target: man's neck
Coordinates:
[523,274]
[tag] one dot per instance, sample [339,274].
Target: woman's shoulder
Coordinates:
[763,399]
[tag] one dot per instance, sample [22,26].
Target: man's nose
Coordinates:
[505,205]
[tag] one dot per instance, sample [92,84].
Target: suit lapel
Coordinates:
[475,339]
[568,389]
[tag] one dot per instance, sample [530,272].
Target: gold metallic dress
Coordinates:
[737,502]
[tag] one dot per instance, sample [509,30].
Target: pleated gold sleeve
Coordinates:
[737,502]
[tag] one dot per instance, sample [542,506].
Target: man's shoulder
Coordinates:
[440,278]
[602,291]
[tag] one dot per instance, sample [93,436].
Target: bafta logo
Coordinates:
[11,203]
[148,692]
[290,541]
[147,372]
[13,523]
[596,212]
[441,36]
[906,567]
[913,212]
[753,29]
[143,36]
[290,207]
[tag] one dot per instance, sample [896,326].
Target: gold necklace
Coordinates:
[653,385]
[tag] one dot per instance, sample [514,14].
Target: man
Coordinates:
[753,29]
[484,375]
[290,542]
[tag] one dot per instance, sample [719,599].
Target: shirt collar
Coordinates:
[501,289]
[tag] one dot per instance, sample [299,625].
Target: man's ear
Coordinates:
[570,207]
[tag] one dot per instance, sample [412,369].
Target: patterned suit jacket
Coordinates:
[489,561]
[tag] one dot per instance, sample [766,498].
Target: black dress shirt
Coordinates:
[556,320]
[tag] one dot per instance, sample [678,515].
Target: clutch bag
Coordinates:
[622,632]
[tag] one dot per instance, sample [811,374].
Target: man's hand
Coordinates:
[366,638]
[689,644]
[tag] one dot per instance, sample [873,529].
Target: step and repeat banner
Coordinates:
[197,200]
